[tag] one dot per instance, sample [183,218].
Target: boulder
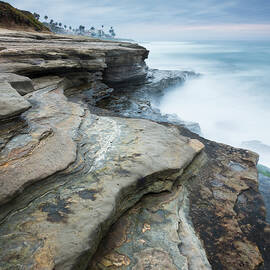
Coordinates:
[22,84]
[12,104]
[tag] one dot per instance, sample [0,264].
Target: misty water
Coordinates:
[231,98]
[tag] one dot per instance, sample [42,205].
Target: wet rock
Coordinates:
[139,99]
[264,180]
[12,104]
[227,209]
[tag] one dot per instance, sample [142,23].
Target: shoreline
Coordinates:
[90,152]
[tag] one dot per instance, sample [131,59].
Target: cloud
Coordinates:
[171,32]
[157,18]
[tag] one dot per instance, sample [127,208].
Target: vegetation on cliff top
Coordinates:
[12,18]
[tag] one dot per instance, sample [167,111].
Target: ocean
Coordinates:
[231,97]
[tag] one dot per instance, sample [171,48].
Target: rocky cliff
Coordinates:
[93,177]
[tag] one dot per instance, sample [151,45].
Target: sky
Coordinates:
[162,20]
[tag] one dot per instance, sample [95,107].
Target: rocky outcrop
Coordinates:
[139,100]
[84,186]
[45,147]
[116,162]
[34,54]
[213,219]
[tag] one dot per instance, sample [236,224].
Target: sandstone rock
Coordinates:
[22,84]
[204,223]
[47,148]
[35,53]
[116,162]
[156,233]
[12,104]
[47,82]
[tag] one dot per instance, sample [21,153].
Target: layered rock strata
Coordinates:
[34,54]
[71,171]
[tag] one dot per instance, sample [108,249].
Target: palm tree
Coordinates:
[81,28]
[65,26]
[51,21]
[111,31]
[46,17]
[70,28]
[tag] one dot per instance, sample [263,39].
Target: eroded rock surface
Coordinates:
[116,162]
[45,147]
[69,170]
[34,54]
[213,219]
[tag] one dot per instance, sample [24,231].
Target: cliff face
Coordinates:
[69,170]
[34,54]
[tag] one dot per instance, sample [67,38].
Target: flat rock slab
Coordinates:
[22,84]
[12,103]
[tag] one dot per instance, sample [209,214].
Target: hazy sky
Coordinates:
[162,19]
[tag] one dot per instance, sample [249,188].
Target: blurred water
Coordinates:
[231,100]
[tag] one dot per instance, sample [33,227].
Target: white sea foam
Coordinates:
[231,100]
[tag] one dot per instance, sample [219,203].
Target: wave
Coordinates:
[231,100]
